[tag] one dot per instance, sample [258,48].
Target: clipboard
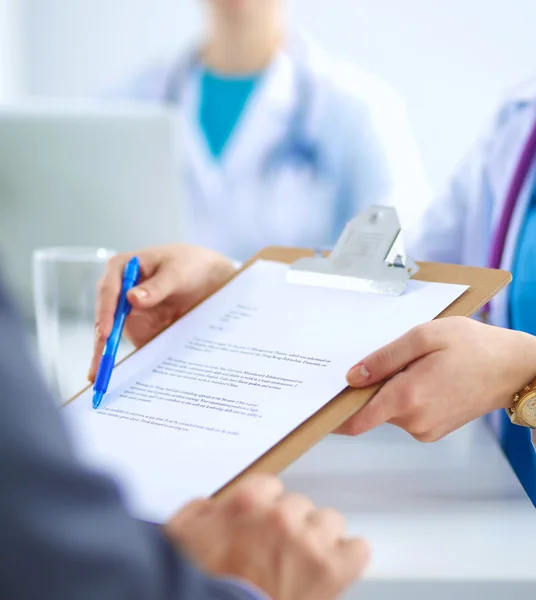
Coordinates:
[483,284]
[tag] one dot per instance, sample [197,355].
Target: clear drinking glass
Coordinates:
[65,291]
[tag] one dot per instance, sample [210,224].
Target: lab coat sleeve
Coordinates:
[382,162]
[534,439]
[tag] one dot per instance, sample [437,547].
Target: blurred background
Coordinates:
[73,182]
[305,150]
[451,61]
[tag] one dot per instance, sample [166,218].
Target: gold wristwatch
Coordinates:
[523,411]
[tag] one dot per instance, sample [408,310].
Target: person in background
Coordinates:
[282,144]
[65,533]
[487,217]
[455,370]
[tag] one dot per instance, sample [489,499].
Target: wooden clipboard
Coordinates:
[484,285]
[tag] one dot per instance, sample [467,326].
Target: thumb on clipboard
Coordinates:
[445,374]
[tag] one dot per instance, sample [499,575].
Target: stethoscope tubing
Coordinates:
[517,184]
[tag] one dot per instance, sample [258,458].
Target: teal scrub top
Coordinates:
[523,288]
[222,103]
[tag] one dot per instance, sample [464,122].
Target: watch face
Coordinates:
[528,412]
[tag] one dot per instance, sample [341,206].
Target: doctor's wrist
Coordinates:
[520,359]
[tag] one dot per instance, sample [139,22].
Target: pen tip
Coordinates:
[97,399]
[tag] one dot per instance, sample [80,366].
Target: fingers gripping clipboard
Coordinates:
[483,284]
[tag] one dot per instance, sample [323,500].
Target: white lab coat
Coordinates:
[360,126]
[458,227]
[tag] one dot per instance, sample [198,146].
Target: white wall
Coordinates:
[451,59]
[11,50]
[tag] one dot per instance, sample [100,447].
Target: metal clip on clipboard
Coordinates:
[368,257]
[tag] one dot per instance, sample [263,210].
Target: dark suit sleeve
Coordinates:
[64,534]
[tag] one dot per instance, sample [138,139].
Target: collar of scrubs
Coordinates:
[501,161]
[263,122]
[236,206]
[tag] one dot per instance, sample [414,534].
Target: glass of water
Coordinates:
[65,292]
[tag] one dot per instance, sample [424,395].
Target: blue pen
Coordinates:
[131,277]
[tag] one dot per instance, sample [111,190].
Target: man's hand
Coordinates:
[174,279]
[282,544]
[455,370]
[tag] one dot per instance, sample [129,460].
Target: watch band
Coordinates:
[521,395]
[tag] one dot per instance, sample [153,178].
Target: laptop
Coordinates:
[85,174]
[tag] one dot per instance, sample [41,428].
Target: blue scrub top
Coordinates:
[222,102]
[516,440]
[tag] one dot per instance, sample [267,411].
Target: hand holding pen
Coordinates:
[174,278]
[131,277]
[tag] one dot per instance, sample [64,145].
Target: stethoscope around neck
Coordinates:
[519,180]
[295,149]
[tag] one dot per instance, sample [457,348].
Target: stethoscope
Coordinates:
[520,178]
[296,148]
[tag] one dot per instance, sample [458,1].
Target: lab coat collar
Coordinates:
[264,121]
[203,168]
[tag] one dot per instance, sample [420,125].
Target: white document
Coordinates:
[222,386]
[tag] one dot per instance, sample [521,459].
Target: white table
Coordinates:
[445,520]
